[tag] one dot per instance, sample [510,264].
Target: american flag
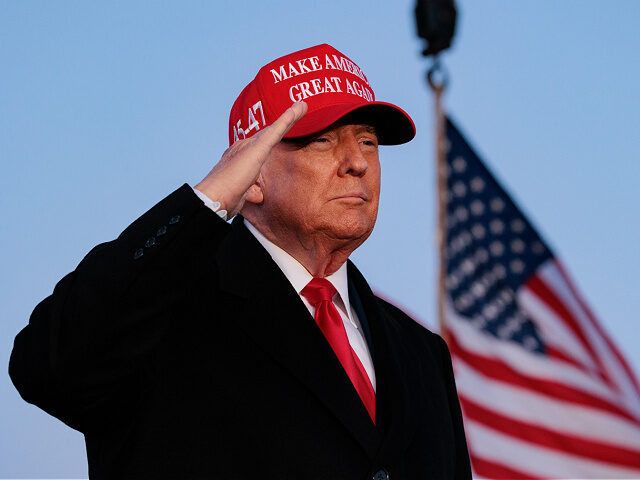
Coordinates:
[544,391]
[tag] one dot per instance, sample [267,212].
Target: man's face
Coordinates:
[326,187]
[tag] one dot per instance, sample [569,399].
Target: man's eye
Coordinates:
[321,140]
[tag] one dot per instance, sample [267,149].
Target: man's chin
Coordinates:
[350,229]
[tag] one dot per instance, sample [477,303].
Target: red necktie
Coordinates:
[319,292]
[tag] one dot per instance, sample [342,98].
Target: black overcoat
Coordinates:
[180,350]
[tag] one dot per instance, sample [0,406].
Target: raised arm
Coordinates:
[81,354]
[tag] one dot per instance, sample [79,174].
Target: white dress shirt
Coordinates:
[299,277]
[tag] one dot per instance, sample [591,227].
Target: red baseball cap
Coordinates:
[330,83]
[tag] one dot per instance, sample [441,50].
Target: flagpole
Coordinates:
[437,80]
[436,24]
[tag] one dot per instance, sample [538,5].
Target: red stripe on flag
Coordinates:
[487,469]
[500,371]
[551,439]
[559,355]
[540,289]
[596,324]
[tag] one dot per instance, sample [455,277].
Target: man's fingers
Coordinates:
[240,165]
[278,129]
[298,109]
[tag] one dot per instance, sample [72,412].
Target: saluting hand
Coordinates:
[239,167]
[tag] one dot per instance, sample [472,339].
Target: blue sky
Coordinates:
[107,107]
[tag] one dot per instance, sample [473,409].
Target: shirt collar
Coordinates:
[298,276]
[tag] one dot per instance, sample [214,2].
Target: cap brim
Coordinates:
[393,125]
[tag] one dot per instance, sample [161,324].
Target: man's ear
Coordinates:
[255,194]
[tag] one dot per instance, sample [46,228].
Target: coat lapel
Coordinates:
[396,377]
[280,324]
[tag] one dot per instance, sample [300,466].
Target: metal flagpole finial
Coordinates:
[436,24]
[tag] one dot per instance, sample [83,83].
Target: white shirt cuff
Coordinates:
[213,205]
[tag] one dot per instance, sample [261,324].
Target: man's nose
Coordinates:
[353,160]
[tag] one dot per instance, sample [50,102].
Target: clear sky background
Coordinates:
[106,107]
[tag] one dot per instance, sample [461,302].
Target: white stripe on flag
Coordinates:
[537,460]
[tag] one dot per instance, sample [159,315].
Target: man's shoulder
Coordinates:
[408,324]
[414,342]
[405,325]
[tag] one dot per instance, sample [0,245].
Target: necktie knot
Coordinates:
[318,290]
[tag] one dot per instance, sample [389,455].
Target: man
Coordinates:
[191,348]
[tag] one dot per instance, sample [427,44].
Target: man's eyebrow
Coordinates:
[301,141]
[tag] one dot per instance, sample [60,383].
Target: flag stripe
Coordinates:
[502,372]
[539,288]
[551,438]
[525,363]
[540,461]
[596,324]
[536,409]
[624,383]
[560,355]
[487,468]
[553,329]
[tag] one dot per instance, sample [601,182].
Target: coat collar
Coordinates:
[278,321]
